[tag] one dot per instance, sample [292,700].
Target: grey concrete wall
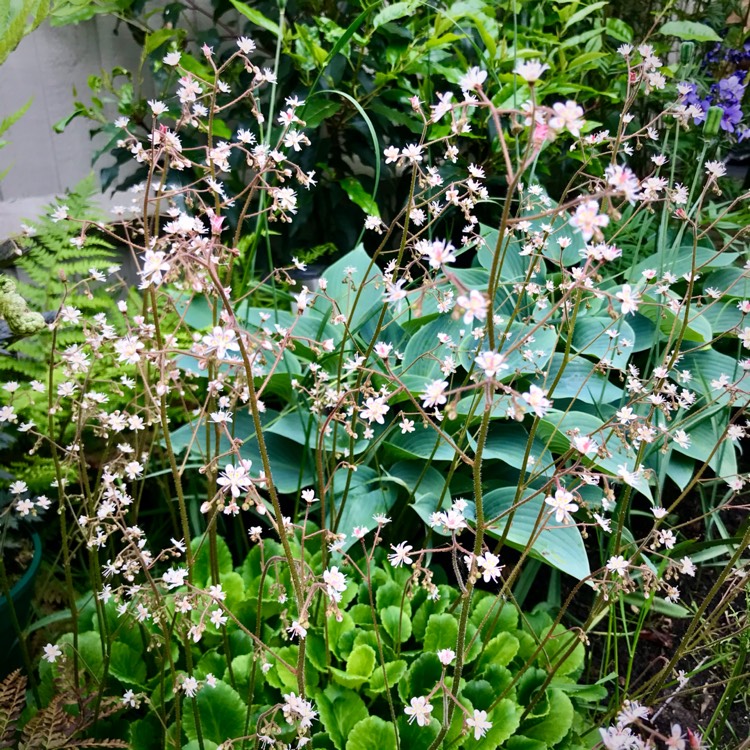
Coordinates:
[46,66]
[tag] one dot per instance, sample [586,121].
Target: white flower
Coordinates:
[715,169]
[52,653]
[128,349]
[420,709]
[472,79]
[491,363]
[434,394]
[246,45]
[489,566]
[562,505]
[437,252]
[218,618]
[687,567]
[375,410]
[537,399]
[412,152]
[133,470]
[629,299]
[190,686]
[446,656]
[618,564]
[335,582]
[400,554]
[474,305]
[531,71]
[154,268]
[157,107]
[296,630]
[173,58]
[234,479]
[221,340]
[478,722]
[588,219]
[568,116]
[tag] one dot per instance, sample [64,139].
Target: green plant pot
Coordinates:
[21,595]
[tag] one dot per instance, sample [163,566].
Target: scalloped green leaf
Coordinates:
[221,712]
[372,733]
[442,632]
[396,623]
[340,709]
[394,671]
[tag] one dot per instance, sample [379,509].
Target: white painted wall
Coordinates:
[46,66]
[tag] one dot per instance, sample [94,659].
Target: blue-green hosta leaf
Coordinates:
[366,496]
[697,329]
[512,266]
[423,443]
[310,325]
[351,283]
[507,441]
[555,227]
[722,315]
[556,544]
[522,337]
[291,468]
[303,427]
[555,426]
[707,366]
[705,431]
[706,258]
[590,337]
[424,352]
[580,380]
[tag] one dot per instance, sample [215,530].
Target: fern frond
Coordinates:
[12,701]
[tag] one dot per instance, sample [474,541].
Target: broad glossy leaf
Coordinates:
[590,338]
[351,283]
[555,426]
[697,329]
[366,496]
[556,544]
[580,380]
[507,441]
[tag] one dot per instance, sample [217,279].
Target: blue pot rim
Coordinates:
[25,581]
